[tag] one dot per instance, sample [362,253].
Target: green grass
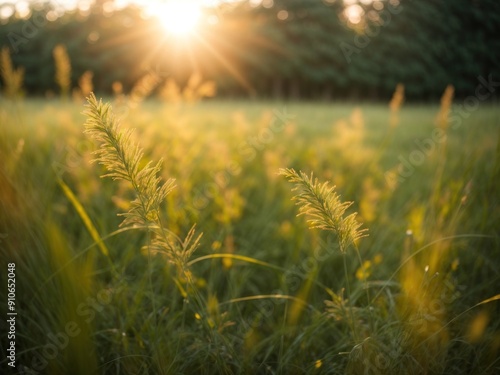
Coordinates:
[260,309]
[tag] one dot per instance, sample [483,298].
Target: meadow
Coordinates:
[260,292]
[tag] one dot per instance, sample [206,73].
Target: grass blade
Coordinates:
[84,216]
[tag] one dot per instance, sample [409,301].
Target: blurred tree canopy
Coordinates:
[281,48]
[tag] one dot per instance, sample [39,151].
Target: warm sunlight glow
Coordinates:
[179,18]
[354,13]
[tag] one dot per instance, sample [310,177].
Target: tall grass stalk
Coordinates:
[442,119]
[395,105]
[321,203]
[85,87]
[122,157]
[12,78]
[63,70]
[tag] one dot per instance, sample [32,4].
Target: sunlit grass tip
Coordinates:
[122,157]
[63,69]
[12,78]
[321,203]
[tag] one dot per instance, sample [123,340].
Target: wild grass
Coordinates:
[85,87]
[262,293]
[63,70]
[195,90]
[12,78]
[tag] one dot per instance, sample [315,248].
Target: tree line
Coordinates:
[307,49]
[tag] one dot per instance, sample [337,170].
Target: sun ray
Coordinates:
[229,66]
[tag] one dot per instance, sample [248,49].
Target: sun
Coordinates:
[178,17]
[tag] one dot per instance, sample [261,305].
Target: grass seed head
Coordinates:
[321,203]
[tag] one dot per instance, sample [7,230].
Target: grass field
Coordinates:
[263,293]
